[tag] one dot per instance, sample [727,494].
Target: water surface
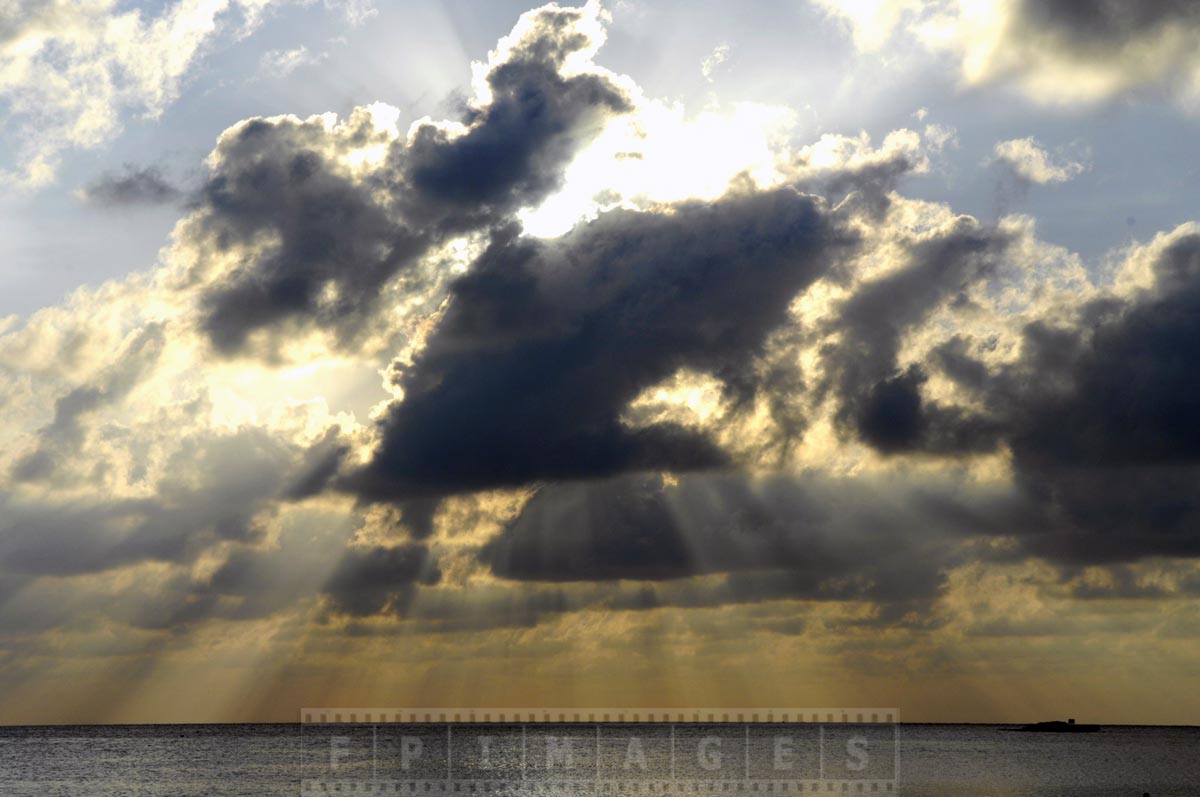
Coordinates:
[261,760]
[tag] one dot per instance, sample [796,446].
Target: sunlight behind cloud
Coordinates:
[663,154]
[687,398]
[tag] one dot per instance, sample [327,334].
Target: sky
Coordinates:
[462,354]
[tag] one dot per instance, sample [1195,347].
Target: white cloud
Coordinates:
[70,69]
[837,153]
[872,21]
[356,11]
[281,63]
[941,137]
[714,59]
[1033,164]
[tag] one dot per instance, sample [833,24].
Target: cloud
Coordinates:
[379,579]
[872,22]
[63,438]
[1113,444]
[713,60]
[773,538]
[135,185]
[1055,51]
[1028,162]
[70,70]
[879,399]
[1091,405]
[281,63]
[317,216]
[356,12]
[212,492]
[850,167]
[544,344]
[784,402]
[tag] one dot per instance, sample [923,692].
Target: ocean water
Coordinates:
[916,760]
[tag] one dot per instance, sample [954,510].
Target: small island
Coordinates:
[1057,726]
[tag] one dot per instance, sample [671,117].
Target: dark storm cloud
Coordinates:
[1102,419]
[544,344]
[1092,24]
[333,236]
[776,538]
[893,417]
[879,402]
[1098,413]
[341,238]
[136,185]
[417,515]
[620,528]
[517,145]
[372,580]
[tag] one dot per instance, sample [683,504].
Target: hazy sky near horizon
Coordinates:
[821,352]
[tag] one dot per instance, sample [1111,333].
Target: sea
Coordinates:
[914,761]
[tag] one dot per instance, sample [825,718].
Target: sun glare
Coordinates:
[662,154]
